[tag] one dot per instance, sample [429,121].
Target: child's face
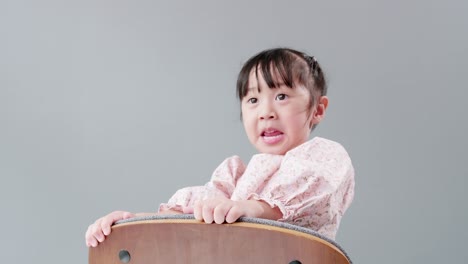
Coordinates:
[279,119]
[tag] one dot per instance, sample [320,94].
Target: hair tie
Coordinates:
[313,64]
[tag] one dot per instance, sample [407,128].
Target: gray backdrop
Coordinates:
[108,105]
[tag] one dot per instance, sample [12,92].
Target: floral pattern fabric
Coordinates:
[312,184]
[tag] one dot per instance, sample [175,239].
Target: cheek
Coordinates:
[246,115]
[300,123]
[249,126]
[246,121]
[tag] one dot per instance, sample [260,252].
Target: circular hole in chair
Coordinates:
[124,256]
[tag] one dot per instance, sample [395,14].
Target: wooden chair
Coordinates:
[182,239]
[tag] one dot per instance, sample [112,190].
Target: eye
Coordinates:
[252,100]
[281,97]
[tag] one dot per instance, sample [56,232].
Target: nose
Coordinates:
[267,111]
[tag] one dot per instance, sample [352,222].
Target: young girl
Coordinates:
[305,182]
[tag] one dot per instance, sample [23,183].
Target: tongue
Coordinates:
[272,133]
[273,137]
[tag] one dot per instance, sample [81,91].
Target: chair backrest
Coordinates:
[176,239]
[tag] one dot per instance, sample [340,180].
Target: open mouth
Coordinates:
[272,136]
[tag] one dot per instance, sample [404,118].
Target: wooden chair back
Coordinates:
[166,240]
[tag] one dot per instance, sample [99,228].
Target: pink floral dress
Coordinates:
[312,184]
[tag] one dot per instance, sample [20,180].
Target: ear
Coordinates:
[319,111]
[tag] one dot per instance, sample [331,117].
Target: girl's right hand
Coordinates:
[98,231]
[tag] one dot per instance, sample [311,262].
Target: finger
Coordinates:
[207,212]
[106,226]
[88,237]
[234,214]
[108,220]
[187,210]
[221,211]
[197,211]
[99,237]
[128,215]
[91,242]
[97,232]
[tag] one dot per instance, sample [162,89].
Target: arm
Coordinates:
[221,184]
[313,188]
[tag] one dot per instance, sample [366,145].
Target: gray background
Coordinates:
[108,105]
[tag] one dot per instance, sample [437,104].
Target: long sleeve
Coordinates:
[222,183]
[313,186]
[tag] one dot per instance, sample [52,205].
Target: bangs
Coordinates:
[277,66]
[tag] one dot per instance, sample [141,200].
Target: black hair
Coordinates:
[292,66]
